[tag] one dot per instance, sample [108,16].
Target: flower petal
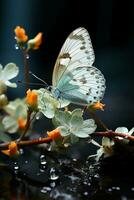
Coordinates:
[64,131]
[131,131]
[10,71]
[10,124]
[1,71]
[9,84]
[121,130]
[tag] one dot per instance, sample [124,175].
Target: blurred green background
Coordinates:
[111,27]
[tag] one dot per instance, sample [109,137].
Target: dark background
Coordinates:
[111,27]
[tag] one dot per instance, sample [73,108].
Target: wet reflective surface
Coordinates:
[44,175]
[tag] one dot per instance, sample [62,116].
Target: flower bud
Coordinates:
[35,42]
[12,150]
[54,134]
[20,34]
[3,100]
[31,98]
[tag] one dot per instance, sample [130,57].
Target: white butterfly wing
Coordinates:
[74,76]
[76,50]
[83,85]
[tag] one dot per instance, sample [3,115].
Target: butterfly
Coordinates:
[75,79]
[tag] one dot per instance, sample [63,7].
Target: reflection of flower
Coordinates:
[72,124]
[12,149]
[98,106]
[20,34]
[17,115]
[10,71]
[31,98]
[35,42]
[105,149]
[54,134]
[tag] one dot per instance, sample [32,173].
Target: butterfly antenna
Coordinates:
[38,78]
[23,82]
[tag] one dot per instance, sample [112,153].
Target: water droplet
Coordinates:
[109,189]
[43,160]
[45,189]
[21,151]
[16,168]
[16,46]
[85,193]
[26,161]
[53,184]
[27,56]
[74,159]
[132,188]
[53,175]
[43,163]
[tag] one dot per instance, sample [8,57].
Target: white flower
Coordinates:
[7,73]
[124,130]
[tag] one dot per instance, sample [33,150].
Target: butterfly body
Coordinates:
[74,77]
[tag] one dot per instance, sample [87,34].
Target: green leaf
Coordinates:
[4,137]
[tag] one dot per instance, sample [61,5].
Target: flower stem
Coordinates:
[97,119]
[29,120]
[26,68]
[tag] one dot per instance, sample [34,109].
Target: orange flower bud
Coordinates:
[22,122]
[20,34]
[54,134]
[31,98]
[12,149]
[98,106]
[35,42]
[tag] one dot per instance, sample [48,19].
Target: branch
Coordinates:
[112,134]
[29,112]
[27,142]
[26,68]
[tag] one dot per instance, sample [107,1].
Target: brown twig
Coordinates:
[109,134]
[28,122]
[112,134]
[26,68]
[27,142]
